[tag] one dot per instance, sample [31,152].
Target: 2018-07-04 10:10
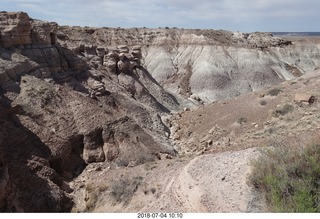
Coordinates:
[160,215]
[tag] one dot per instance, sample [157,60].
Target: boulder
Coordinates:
[123,49]
[125,66]
[15,29]
[43,33]
[111,66]
[100,51]
[111,55]
[136,54]
[136,48]
[93,146]
[90,50]
[96,61]
[122,56]
[304,98]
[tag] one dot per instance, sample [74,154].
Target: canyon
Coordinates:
[84,110]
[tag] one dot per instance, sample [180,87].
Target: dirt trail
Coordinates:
[224,184]
[212,183]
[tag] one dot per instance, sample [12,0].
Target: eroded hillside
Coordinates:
[206,65]
[76,113]
[216,145]
[112,120]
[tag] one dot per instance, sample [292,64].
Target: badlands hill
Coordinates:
[206,65]
[99,119]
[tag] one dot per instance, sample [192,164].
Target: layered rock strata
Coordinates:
[62,108]
[207,65]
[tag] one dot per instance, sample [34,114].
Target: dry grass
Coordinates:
[92,195]
[150,166]
[274,91]
[123,189]
[287,108]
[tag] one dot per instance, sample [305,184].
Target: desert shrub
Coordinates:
[263,102]
[153,190]
[287,108]
[289,178]
[274,92]
[271,130]
[150,165]
[122,162]
[92,195]
[145,159]
[146,189]
[242,120]
[123,189]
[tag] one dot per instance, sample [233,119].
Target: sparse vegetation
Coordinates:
[289,178]
[92,195]
[147,189]
[62,27]
[145,159]
[153,190]
[287,108]
[170,164]
[150,166]
[242,120]
[274,92]
[123,189]
[263,102]
[271,130]
[122,162]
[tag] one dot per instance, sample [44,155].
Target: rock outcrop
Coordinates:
[17,29]
[75,106]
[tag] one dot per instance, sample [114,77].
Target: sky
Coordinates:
[233,15]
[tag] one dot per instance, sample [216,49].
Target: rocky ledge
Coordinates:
[62,108]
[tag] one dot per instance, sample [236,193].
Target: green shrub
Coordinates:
[274,92]
[289,178]
[283,111]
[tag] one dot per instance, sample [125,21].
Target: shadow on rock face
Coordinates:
[27,181]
